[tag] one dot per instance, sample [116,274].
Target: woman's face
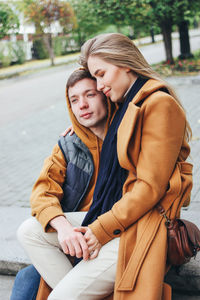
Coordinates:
[113,81]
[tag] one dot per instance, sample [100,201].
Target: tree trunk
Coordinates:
[152,34]
[167,37]
[184,40]
[81,38]
[118,28]
[49,44]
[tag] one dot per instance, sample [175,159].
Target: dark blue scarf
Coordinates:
[112,176]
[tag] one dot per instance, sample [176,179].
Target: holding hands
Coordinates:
[78,241]
[93,244]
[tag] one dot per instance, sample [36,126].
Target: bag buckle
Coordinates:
[167,220]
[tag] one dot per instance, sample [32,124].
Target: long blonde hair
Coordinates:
[119,50]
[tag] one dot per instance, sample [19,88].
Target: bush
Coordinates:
[5,55]
[58,45]
[179,67]
[63,45]
[5,60]
[39,50]
[19,54]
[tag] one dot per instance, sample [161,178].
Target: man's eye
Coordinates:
[91,95]
[74,100]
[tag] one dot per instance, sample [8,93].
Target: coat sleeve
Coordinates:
[47,191]
[163,128]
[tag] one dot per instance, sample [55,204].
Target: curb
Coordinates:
[11,267]
[35,66]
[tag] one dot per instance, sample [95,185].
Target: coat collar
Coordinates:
[148,88]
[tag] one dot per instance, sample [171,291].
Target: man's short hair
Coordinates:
[78,75]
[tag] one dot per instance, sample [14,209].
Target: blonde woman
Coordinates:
[152,146]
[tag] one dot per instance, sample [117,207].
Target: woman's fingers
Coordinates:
[69,130]
[81,229]
[94,253]
[85,249]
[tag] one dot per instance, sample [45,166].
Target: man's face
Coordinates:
[88,105]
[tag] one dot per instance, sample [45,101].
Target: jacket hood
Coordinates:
[84,133]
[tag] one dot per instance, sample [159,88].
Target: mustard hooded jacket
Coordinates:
[47,192]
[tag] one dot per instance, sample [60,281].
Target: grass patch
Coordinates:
[190,66]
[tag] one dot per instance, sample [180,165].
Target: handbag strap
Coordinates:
[163,213]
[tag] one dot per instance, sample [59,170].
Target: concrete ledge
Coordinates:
[12,256]
[185,278]
[11,267]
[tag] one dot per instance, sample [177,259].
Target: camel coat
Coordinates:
[152,147]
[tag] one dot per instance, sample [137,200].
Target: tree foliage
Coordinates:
[46,14]
[87,19]
[166,13]
[132,13]
[141,15]
[9,21]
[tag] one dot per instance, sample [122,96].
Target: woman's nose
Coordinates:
[100,85]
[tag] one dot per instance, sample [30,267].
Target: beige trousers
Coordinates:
[92,279]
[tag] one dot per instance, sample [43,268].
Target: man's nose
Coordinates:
[83,103]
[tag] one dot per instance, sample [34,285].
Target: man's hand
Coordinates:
[92,241]
[72,242]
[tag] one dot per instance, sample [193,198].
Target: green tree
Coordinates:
[9,22]
[87,19]
[167,13]
[162,13]
[45,14]
[184,11]
[140,15]
[124,13]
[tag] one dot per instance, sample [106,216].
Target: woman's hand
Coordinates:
[92,242]
[69,130]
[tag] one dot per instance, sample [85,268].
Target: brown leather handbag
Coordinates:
[183,239]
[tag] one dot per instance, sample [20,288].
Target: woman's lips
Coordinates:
[107,93]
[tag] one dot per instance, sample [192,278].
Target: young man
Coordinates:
[67,180]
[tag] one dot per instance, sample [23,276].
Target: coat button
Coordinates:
[116,231]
